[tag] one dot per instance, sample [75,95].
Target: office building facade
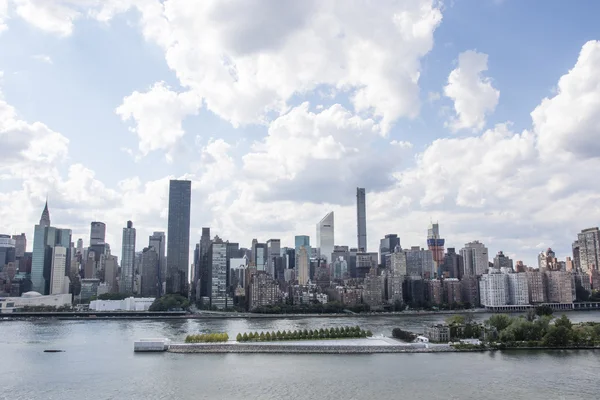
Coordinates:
[178,236]
[325,237]
[127,259]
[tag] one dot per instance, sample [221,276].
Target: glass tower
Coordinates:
[178,236]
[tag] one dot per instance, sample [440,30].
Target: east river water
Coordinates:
[99,363]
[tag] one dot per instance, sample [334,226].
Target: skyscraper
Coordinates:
[325,237]
[387,246]
[127,259]
[588,251]
[45,238]
[361,219]
[475,258]
[436,245]
[151,285]
[178,236]
[97,233]
[218,292]
[203,278]
[20,245]
[58,270]
[273,251]
[158,242]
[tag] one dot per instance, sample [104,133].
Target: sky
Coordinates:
[482,115]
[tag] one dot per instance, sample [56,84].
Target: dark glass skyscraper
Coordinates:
[178,236]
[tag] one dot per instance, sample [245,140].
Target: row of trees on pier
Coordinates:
[316,334]
[207,338]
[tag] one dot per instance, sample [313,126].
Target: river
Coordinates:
[99,363]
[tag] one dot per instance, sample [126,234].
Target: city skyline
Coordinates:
[450,124]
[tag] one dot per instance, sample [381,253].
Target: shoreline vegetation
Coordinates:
[316,334]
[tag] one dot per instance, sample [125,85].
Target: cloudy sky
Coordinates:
[483,115]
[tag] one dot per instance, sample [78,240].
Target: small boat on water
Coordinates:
[53,351]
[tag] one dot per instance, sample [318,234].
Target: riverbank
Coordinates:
[137,315]
[371,348]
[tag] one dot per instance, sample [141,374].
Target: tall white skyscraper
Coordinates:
[361,219]
[127,259]
[325,237]
[59,264]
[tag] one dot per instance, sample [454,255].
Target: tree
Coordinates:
[455,320]
[499,321]
[557,336]
[563,321]
[245,337]
[238,337]
[369,333]
[543,310]
[531,314]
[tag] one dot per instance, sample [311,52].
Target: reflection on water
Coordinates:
[99,360]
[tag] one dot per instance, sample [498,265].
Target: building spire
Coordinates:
[45,219]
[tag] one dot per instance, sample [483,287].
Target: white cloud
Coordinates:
[568,124]
[43,58]
[54,16]
[158,115]
[256,55]
[473,94]
[3,15]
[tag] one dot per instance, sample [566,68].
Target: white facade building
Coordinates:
[128,304]
[218,288]
[325,237]
[57,274]
[33,299]
[494,290]
[518,289]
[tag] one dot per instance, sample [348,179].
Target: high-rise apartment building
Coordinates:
[475,258]
[547,261]
[536,287]
[20,245]
[127,259]
[398,263]
[178,236]
[419,262]
[387,245]
[588,252]
[302,265]
[273,251]
[111,268]
[218,288]
[325,237]
[151,285]
[436,244]
[158,241]
[503,263]
[262,290]
[452,291]
[453,265]
[518,289]
[559,287]
[361,219]
[58,270]
[203,276]
[493,288]
[261,256]
[97,233]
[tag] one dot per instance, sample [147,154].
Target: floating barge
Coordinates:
[151,345]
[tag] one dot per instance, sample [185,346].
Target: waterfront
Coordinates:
[99,359]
